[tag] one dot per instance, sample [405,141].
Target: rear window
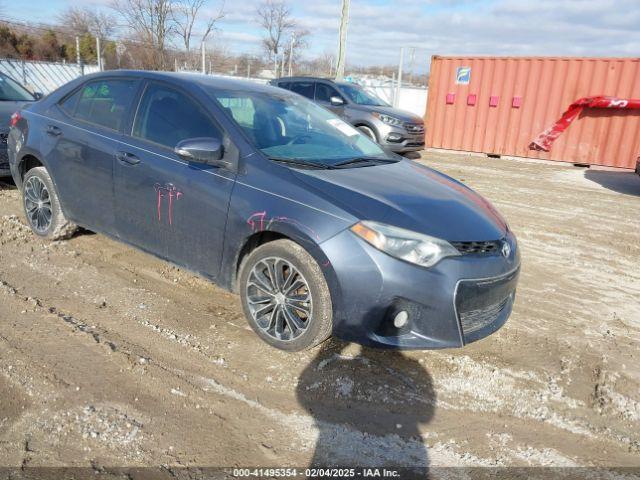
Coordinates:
[306,89]
[103,102]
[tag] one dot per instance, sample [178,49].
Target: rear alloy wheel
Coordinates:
[37,205]
[42,207]
[285,296]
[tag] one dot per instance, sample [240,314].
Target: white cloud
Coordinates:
[378,28]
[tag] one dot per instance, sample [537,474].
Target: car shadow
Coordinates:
[627,183]
[368,407]
[7,184]
[412,155]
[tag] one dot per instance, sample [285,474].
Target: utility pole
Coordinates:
[99,54]
[342,42]
[204,60]
[396,100]
[275,63]
[293,40]
[78,57]
[248,67]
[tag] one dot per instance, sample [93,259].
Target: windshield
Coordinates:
[360,96]
[11,91]
[285,126]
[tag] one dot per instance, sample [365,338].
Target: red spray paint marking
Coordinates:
[545,140]
[170,191]
[257,222]
[259,216]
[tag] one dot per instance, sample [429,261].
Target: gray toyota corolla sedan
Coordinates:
[314,225]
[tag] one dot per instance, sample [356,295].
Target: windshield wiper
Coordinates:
[368,160]
[300,162]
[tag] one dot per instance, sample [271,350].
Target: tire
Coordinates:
[368,132]
[312,323]
[42,206]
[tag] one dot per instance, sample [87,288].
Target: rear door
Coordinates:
[82,135]
[164,204]
[305,88]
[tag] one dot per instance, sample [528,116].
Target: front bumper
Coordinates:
[458,301]
[5,171]
[399,139]
[4,157]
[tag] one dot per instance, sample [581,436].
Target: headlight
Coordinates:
[404,244]
[388,119]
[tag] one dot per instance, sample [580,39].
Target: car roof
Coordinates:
[207,81]
[302,79]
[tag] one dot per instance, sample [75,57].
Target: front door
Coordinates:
[164,204]
[324,93]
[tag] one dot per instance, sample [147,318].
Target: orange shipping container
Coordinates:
[498,105]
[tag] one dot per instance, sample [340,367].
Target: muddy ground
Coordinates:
[109,357]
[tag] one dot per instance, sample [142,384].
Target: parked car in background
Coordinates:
[317,228]
[13,96]
[395,129]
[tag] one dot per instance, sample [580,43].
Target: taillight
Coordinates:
[15,118]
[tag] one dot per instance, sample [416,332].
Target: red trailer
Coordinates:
[501,105]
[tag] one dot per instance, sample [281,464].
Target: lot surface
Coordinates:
[110,357]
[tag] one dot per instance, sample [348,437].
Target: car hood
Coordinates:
[403,115]
[411,196]
[6,110]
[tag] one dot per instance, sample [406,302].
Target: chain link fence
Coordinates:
[43,77]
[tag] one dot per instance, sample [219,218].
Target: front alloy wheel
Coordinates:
[279,299]
[285,296]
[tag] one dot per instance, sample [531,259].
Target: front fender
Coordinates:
[304,224]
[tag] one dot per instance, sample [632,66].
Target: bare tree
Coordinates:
[152,22]
[81,20]
[185,15]
[275,17]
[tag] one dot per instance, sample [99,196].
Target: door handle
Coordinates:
[53,131]
[128,158]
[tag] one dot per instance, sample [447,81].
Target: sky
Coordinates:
[378,28]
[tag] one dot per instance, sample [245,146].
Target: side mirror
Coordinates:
[336,101]
[38,95]
[207,150]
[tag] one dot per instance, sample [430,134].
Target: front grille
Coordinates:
[484,305]
[483,248]
[474,320]
[414,127]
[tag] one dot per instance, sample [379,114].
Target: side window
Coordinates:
[303,88]
[324,92]
[69,103]
[103,102]
[241,109]
[167,116]
[286,85]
